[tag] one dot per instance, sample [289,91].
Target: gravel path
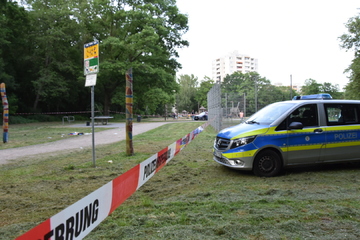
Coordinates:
[78,142]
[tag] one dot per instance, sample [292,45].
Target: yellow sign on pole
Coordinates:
[91,58]
[91,51]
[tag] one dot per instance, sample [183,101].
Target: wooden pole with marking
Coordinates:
[129,112]
[5,113]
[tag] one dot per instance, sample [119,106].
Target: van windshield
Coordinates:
[270,113]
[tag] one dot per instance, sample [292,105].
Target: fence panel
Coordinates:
[229,108]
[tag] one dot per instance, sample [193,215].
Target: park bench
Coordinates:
[103,119]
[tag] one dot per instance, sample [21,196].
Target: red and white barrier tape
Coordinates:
[79,219]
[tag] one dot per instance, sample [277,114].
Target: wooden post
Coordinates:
[129,112]
[6,113]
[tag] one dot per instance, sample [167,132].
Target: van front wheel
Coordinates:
[267,164]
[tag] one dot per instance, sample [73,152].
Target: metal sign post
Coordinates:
[91,68]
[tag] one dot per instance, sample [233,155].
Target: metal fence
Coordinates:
[229,108]
[214,107]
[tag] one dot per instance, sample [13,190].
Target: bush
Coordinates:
[19,120]
[45,118]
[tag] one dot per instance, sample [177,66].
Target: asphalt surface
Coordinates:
[116,134]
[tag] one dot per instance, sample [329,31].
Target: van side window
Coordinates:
[341,114]
[307,115]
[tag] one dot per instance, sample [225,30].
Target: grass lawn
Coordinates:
[36,133]
[192,197]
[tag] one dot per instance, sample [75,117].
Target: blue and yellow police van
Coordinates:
[292,133]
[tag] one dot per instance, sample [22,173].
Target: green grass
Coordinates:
[192,197]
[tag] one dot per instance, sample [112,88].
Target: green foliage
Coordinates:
[352,89]
[142,35]
[186,96]
[313,87]
[351,41]
[204,88]
[333,90]
[257,89]
[155,97]
[19,120]
[14,26]
[310,87]
[41,51]
[54,42]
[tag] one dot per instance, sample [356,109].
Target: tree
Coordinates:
[47,42]
[185,97]
[311,87]
[55,38]
[333,90]
[201,93]
[351,41]
[14,50]
[144,35]
[286,92]
[258,91]
[352,89]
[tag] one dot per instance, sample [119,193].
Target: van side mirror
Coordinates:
[295,125]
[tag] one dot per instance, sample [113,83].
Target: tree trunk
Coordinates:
[107,102]
[37,99]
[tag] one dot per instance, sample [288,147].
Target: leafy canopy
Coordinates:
[47,39]
[351,41]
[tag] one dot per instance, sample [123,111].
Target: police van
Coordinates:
[292,133]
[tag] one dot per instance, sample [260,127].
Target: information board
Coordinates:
[91,58]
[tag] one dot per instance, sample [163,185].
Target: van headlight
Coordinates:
[242,141]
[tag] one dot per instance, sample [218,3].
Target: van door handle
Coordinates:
[318,130]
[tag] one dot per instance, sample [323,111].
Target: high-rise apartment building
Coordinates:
[233,62]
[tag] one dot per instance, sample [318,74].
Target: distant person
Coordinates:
[241,115]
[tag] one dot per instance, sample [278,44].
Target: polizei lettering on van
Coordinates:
[76,224]
[157,162]
[346,136]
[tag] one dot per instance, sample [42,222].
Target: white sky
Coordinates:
[298,38]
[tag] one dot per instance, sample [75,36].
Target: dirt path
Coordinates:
[78,142]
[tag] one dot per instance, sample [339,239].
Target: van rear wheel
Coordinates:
[267,164]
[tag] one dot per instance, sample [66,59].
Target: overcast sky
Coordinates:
[298,38]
